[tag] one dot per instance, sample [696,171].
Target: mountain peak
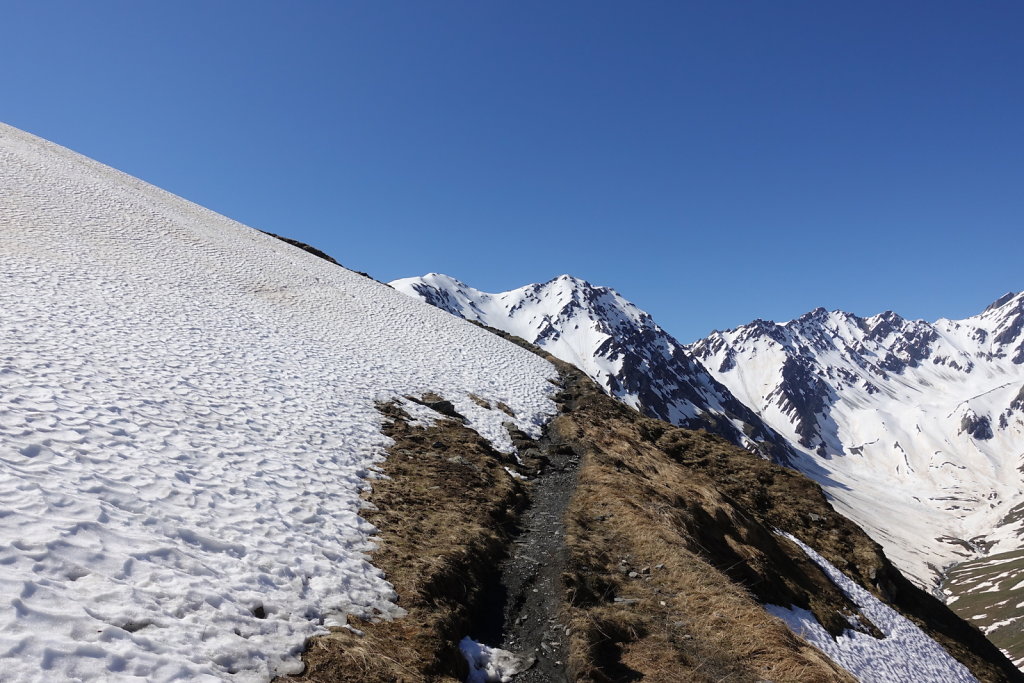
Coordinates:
[441,277]
[1001,301]
[618,345]
[570,280]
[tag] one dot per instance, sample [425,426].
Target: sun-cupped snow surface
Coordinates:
[187,421]
[906,653]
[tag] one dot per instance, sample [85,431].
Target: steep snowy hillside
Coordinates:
[920,426]
[615,343]
[187,420]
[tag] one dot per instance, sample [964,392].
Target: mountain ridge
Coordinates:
[618,345]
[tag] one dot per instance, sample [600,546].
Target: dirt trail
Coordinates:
[532,575]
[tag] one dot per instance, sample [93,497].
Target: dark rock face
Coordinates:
[803,397]
[1000,302]
[979,427]
[910,349]
[303,246]
[1018,402]
[437,297]
[1011,328]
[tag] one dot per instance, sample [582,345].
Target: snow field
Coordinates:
[187,422]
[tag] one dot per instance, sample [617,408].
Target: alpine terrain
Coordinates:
[920,427]
[619,346]
[225,457]
[914,429]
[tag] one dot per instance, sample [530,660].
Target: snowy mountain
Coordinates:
[188,419]
[615,343]
[919,425]
[197,419]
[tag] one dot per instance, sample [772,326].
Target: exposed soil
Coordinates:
[531,577]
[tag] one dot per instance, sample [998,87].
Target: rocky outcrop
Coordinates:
[978,426]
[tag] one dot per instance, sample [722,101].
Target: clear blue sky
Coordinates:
[713,161]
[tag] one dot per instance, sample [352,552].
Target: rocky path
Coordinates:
[526,615]
[532,574]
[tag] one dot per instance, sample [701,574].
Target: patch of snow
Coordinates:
[419,414]
[491,664]
[187,421]
[906,653]
[515,475]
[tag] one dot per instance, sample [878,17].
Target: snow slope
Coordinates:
[919,427]
[614,342]
[905,653]
[187,422]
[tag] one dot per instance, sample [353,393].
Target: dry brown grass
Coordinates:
[704,510]
[691,621]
